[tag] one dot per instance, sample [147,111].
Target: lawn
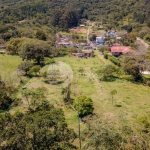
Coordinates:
[9,65]
[132,100]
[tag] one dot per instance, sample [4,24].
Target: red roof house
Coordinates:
[118,50]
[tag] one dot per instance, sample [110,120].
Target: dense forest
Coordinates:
[67,13]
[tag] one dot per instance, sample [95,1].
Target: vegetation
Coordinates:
[108,73]
[110,94]
[25,66]
[113,92]
[44,129]
[84,105]
[110,136]
[5,95]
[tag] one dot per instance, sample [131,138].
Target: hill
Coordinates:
[67,13]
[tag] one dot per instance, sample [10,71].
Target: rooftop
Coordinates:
[120,49]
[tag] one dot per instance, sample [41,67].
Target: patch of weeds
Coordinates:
[118,105]
[127,97]
[51,93]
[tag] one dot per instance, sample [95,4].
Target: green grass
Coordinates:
[132,100]
[8,66]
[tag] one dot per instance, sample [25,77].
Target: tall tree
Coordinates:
[35,50]
[44,129]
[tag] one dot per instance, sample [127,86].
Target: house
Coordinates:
[88,48]
[82,25]
[2,49]
[112,33]
[84,54]
[100,40]
[88,53]
[83,44]
[2,46]
[118,50]
[2,52]
[66,44]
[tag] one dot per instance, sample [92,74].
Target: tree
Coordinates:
[5,99]
[41,35]
[66,91]
[84,105]
[132,67]
[113,92]
[25,66]
[103,133]
[93,37]
[35,50]
[34,98]
[13,45]
[108,73]
[69,19]
[102,48]
[43,129]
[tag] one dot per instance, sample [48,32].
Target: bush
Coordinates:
[49,61]
[114,60]
[25,66]
[34,70]
[105,55]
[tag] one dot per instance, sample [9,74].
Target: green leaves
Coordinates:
[43,129]
[30,49]
[84,105]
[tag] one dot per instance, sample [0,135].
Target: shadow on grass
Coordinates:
[109,79]
[53,82]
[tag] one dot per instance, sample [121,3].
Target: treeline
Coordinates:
[65,14]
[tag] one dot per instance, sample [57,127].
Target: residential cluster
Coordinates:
[85,49]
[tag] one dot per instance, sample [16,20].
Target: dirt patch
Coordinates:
[78,30]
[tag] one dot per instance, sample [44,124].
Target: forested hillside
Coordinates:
[67,13]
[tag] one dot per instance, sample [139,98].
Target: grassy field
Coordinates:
[131,101]
[8,66]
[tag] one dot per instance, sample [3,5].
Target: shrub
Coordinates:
[25,66]
[105,55]
[49,61]
[114,60]
[34,70]
[84,105]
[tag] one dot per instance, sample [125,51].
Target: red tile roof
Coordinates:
[120,49]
